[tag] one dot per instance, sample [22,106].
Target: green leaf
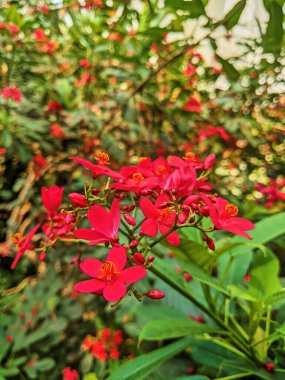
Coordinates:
[140,367]
[232,17]
[237,259]
[276,298]
[203,277]
[272,39]
[174,328]
[194,7]
[230,71]
[7,138]
[45,364]
[262,285]
[9,371]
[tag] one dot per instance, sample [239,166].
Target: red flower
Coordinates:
[3,151]
[85,63]
[39,35]
[84,80]
[56,131]
[104,225]
[24,245]
[161,219]
[70,374]
[40,164]
[52,198]
[193,105]
[12,92]
[55,107]
[13,28]
[182,181]
[189,70]
[110,278]
[223,215]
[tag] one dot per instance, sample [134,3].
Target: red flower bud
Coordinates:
[155,294]
[42,256]
[138,258]
[134,243]
[150,259]
[129,208]
[199,319]
[146,192]
[191,370]
[77,199]
[9,338]
[269,367]
[120,196]
[187,277]
[209,161]
[130,220]
[164,204]
[247,277]
[205,211]
[95,191]
[211,244]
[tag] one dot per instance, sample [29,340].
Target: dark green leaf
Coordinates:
[140,367]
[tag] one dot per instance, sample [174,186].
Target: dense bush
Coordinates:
[121,141]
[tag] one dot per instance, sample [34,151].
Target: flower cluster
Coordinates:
[12,92]
[273,192]
[146,203]
[105,345]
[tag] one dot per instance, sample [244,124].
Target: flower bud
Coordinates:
[42,256]
[187,277]
[134,243]
[130,220]
[138,258]
[120,196]
[129,208]
[209,161]
[150,259]
[204,211]
[199,319]
[211,244]
[95,191]
[269,367]
[164,205]
[77,199]
[205,188]
[69,218]
[155,294]
[146,192]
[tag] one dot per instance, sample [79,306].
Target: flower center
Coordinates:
[161,170]
[231,209]
[18,239]
[107,271]
[102,158]
[164,215]
[190,156]
[136,178]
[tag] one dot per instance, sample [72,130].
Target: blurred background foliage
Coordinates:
[133,79]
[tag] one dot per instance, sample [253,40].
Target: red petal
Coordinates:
[91,267]
[89,286]
[172,238]
[99,219]
[118,256]
[148,208]
[114,292]
[88,234]
[149,227]
[133,274]
[115,216]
